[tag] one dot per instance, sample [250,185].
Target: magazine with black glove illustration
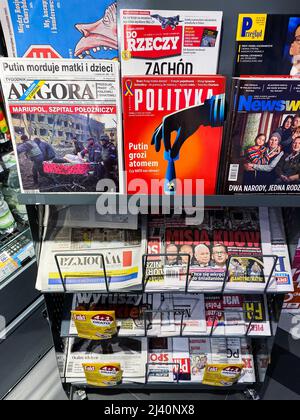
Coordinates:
[173,131]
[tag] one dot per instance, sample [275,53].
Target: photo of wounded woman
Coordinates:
[66,153]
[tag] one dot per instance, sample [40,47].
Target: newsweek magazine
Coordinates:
[85,255]
[130,352]
[191,106]
[268,44]
[160,42]
[207,256]
[66,124]
[129,308]
[264,137]
[60,29]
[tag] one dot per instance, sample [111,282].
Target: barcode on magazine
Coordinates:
[233,172]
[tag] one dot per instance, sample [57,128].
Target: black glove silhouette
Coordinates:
[185,122]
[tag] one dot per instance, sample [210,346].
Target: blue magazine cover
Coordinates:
[60,28]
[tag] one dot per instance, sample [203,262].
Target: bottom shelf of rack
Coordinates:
[162,386]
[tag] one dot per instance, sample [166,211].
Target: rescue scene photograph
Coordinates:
[66,153]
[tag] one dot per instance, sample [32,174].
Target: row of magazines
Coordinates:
[231,251]
[165,315]
[65,101]
[170,360]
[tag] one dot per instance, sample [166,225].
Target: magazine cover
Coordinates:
[130,352]
[60,28]
[268,44]
[264,138]
[230,254]
[91,259]
[160,42]
[160,368]
[236,315]
[248,373]
[66,124]
[182,119]
[257,314]
[200,355]
[181,357]
[129,309]
[176,314]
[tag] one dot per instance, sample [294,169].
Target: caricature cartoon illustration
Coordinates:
[97,35]
[173,22]
[61,29]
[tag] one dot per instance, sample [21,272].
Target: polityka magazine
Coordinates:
[264,137]
[66,124]
[60,29]
[173,129]
[160,42]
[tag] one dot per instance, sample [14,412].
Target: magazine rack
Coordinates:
[56,301]
[56,309]
[188,276]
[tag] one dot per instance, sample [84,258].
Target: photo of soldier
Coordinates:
[109,155]
[34,153]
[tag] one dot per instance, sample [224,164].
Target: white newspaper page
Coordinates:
[80,254]
[129,308]
[131,353]
[248,374]
[88,217]
[160,368]
[193,309]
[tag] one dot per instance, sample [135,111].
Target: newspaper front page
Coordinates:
[90,259]
[66,124]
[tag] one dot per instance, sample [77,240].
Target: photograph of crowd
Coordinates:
[66,153]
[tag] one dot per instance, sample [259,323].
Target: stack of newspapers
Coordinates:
[231,251]
[82,250]
[175,315]
[160,359]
